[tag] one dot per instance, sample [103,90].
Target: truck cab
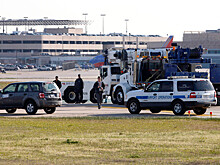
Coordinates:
[110,75]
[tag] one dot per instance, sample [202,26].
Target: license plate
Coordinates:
[52,96]
[206,96]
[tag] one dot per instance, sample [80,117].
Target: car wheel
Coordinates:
[134,106]
[199,111]
[50,110]
[93,97]
[12,110]
[178,108]
[218,101]
[70,95]
[31,108]
[119,95]
[155,110]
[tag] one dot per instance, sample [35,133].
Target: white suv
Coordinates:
[177,95]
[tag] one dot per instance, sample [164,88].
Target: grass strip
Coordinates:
[109,141]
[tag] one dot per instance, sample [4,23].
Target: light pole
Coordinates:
[103,21]
[126,21]
[85,14]
[45,18]
[0,16]
[26,22]
[3,18]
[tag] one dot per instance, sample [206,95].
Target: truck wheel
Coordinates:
[199,111]
[50,110]
[155,110]
[113,100]
[93,98]
[119,95]
[12,110]
[134,106]
[178,108]
[70,95]
[31,107]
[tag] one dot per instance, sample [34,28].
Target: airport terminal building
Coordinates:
[66,44]
[209,39]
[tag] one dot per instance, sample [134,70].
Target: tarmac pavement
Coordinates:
[88,109]
[107,110]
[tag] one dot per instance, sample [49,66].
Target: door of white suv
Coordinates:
[159,95]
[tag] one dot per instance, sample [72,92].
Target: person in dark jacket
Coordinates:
[58,82]
[99,86]
[79,85]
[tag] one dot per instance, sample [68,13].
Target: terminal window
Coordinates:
[12,42]
[45,42]
[213,51]
[32,42]
[65,42]
[91,42]
[26,50]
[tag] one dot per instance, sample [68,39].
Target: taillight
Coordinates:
[41,95]
[59,94]
[215,94]
[192,95]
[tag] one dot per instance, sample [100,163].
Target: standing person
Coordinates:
[99,86]
[58,82]
[79,85]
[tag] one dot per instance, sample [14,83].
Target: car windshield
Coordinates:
[50,86]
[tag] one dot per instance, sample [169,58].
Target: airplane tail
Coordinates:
[168,42]
[98,61]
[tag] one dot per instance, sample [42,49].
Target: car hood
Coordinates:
[135,92]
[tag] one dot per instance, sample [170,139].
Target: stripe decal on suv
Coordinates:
[179,97]
[167,97]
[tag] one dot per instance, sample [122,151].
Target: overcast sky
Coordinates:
[161,17]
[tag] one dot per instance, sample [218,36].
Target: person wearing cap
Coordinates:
[99,86]
[79,85]
[58,82]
